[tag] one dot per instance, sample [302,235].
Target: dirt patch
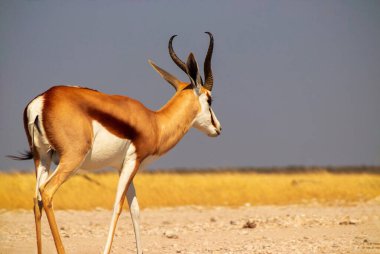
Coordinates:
[262,229]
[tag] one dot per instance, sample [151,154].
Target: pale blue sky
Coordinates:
[296,82]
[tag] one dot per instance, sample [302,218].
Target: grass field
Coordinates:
[207,189]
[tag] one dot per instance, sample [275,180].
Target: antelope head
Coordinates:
[205,119]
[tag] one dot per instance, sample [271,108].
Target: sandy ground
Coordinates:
[263,229]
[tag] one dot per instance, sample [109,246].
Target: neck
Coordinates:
[175,119]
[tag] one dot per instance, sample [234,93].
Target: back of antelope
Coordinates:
[81,128]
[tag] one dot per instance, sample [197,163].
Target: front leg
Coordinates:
[135,214]
[128,171]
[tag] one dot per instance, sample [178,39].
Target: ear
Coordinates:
[166,75]
[193,72]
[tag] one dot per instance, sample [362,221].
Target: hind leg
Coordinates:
[42,172]
[66,168]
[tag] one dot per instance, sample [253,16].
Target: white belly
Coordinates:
[107,150]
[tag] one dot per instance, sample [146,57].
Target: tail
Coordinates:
[27,155]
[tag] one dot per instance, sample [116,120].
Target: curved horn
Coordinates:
[173,55]
[209,81]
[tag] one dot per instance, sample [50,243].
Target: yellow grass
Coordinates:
[207,189]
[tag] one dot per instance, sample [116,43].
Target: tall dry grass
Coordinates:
[206,189]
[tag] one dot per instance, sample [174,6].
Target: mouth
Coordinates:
[215,134]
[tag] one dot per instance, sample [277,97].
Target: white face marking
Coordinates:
[206,120]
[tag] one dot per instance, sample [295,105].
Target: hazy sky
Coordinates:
[296,82]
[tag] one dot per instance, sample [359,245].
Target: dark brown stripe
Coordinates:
[116,126]
[212,119]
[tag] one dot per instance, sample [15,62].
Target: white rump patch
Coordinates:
[33,111]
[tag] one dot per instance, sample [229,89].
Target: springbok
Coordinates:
[81,128]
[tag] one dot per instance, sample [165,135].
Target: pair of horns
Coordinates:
[209,81]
